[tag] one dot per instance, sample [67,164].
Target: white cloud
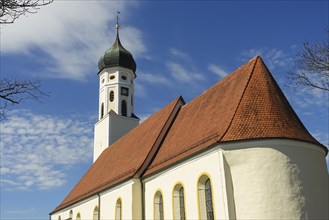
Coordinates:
[217,70]
[72,35]
[175,53]
[154,78]
[274,58]
[182,74]
[36,150]
[25,211]
[308,98]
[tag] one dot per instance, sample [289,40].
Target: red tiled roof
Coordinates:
[124,158]
[247,104]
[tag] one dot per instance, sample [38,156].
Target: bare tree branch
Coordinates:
[10,10]
[312,66]
[13,91]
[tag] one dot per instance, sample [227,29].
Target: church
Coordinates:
[237,151]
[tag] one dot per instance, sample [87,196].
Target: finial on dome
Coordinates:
[117,26]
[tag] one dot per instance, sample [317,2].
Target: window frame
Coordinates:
[96,213]
[158,206]
[116,217]
[124,108]
[204,212]
[111,96]
[178,201]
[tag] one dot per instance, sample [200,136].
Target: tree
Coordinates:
[12,9]
[312,66]
[13,91]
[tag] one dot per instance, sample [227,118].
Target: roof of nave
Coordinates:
[246,104]
[125,157]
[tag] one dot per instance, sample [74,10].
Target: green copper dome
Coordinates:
[117,55]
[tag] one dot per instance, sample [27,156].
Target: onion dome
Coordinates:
[117,55]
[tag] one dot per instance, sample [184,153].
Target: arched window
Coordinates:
[95,216]
[71,215]
[179,202]
[118,210]
[111,96]
[205,198]
[158,206]
[59,217]
[102,110]
[78,216]
[124,108]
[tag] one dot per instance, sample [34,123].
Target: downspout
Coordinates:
[143,199]
[99,206]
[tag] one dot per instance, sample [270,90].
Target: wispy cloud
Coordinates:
[217,70]
[154,78]
[36,150]
[305,98]
[175,53]
[183,74]
[274,58]
[25,211]
[70,36]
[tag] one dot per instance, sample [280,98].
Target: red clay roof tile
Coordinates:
[121,160]
[247,104]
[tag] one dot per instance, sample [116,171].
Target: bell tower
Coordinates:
[117,72]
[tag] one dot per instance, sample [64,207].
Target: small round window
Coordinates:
[112,77]
[124,77]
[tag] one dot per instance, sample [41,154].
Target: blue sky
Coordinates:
[180,47]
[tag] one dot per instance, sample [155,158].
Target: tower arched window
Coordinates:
[111,96]
[78,216]
[124,108]
[96,213]
[59,218]
[158,206]
[102,110]
[118,210]
[179,202]
[71,215]
[205,198]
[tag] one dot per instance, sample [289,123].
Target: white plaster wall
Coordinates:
[278,179]
[101,136]
[85,208]
[109,129]
[108,199]
[188,173]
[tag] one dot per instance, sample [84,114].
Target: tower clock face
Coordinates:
[124,91]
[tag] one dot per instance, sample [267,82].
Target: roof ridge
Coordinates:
[161,136]
[242,95]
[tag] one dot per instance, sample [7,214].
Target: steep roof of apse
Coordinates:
[246,104]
